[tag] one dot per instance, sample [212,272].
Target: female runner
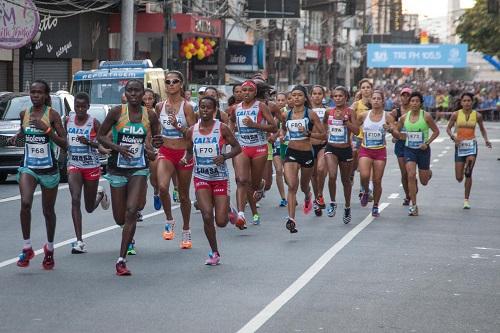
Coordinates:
[340,123]
[252,120]
[42,130]
[465,121]
[211,177]
[373,153]
[176,116]
[301,124]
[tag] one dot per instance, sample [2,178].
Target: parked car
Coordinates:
[11,105]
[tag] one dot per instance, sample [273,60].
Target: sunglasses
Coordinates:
[174,81]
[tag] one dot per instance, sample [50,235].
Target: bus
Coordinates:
[106,84]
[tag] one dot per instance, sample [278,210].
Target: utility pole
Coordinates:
[127,30]
[167,37]
[348,61]
[334,67]
[271,42]
[221,55]
[323,61]
[293,51]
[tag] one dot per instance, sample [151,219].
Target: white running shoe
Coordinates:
[78,247]
[104,200]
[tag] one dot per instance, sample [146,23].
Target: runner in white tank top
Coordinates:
[84,169]
[206,141]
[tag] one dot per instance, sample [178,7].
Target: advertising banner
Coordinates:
[19,23]
[417,55]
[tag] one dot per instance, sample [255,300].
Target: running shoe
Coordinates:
[121,269]
[347,215]
[291,225]
[156,202]
[257,205]
[364,199]
[233,215]
[105,199]
[48,260]
[195,205]
[169,233]
[139,216]
[370,196]
[213,259]
[406,201]
[466,204]
[332,209]
[131,249]
[259,194]
[413,211]
[175,195]
[321,202]
[317,210]
[283,203]
[375,212]
[25,257]
[241,223]
[186,242]
[78,247]
[308,203]
[256,219]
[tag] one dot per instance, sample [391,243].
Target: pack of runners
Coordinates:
[306,141]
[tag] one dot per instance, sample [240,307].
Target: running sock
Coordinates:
[120,259]
[50,246]
[27,243]
[242,214]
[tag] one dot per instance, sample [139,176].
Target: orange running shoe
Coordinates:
[186,242]
[241,223]
[169,232]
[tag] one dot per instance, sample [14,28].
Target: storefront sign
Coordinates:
[196,25]
[241,58]
[19,22]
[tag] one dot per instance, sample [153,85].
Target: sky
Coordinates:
[431,8]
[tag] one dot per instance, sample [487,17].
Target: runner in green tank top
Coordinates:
[417,150]
[42,130]
[133,129]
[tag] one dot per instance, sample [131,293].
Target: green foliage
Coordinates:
[480,30]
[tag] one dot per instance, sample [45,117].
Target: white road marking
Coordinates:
[440,155]
[272,308]
[36,193]
[447,147]
[438,140]
[435,160]
[430,166]
[393,196]
[88,235]
[494,140]
[486,248]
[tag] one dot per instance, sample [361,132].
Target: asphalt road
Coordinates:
[439,272]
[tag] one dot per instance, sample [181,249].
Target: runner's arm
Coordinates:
[480,122]
[111,119]
[231,140]
[59,135]
[318,131]
[271,124]
[188,155]
[451,123]
[432,126]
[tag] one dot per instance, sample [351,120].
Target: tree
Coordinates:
[480,29]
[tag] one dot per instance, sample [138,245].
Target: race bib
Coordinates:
[373,138]
[293,128]
[414,139]
[75,146]
[467,148]
[136,161]
[205,153]
[337,132]
[37,152]
[168,130]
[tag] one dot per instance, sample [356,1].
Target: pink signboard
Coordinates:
[19,23]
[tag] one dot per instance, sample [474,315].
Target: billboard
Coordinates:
[417,55]
[273,9]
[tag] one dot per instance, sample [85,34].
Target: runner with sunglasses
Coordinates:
[253,120]
[42,130]
[176,116]
[207,139]
[132,128]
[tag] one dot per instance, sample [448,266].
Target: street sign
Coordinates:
[417,56]
[19,23]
